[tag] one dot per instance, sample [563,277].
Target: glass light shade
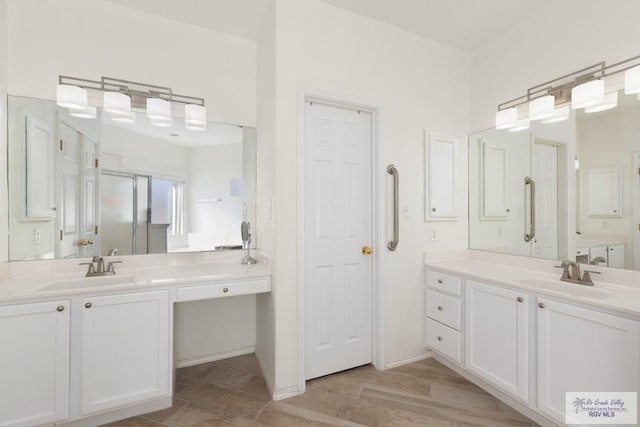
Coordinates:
[162,123]
[587,94]
[523,124]
[542,108]
[610,101]
[199,128]
[158,109]
[632,80]
[506,118]
[124,118]
[70,96]
[559,115]
[116,103]
[195,114]
[86,113]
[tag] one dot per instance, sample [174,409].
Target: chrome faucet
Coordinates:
[573,276]
[96,267]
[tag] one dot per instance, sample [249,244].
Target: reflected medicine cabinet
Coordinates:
[440,179]
[604,192]
[493,185]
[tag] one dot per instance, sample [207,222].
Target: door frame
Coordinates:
[636,209]
[377,231]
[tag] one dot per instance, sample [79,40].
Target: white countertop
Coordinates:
[622,299]
[64,278]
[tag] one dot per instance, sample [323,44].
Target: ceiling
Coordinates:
[465,24]
[240,18]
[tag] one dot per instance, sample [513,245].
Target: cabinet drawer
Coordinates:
[444,309]
[219,290]
[444,340]
[444,282]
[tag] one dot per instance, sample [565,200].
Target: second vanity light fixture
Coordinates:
[119,96]
[549,102]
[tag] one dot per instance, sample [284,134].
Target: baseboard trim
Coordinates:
[119,414]
[191,361]
[395,364]
[266,374]
[498,394]
[286,393]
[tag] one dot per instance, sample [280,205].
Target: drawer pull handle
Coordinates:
[440,281]
[60,308]
[88,305]
[520,299]
[439,338]
[440,308]
[541,305]
[225,290]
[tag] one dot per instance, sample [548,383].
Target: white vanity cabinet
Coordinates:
[34,363]
[582,350]
[125,350]
[497,336]
[444,315]
[440,200]
[615,256]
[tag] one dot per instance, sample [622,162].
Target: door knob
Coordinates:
[366,250]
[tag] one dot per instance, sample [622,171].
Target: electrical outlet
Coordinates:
[434,235]
[36,236]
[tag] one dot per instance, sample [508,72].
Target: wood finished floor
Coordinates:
[232,392]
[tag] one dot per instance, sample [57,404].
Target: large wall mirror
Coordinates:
[80,187]
[576,181]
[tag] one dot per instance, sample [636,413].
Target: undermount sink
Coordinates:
[87,282]
[572,289]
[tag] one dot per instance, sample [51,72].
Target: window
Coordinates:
[167,204]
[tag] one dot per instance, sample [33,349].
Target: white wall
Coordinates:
[94,38]
[209,172]
[4,224]
[417,84]
[559,39]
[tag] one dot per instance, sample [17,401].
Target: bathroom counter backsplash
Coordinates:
[614,290]
[46,279]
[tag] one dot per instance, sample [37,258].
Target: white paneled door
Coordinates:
[545,174]
[337,238]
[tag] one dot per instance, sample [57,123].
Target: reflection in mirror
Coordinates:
[83,187]
[586,201]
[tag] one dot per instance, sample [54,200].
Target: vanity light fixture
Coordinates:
[90,112]
[587,94]
[560,114]
[523,124]
[610,101]
[70,96]
[124,118]
[632,80]
[120,96]
[542,108]
[506,118]
[584,88]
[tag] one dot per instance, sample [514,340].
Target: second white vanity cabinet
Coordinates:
[125,350]
[497,336]
[583,350]
[34,363]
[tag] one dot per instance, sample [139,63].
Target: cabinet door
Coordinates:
[34,363]
[583,350]
[493,185]
[615,256]
[440,179]
[125,350]
[497,337]
[605,193]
